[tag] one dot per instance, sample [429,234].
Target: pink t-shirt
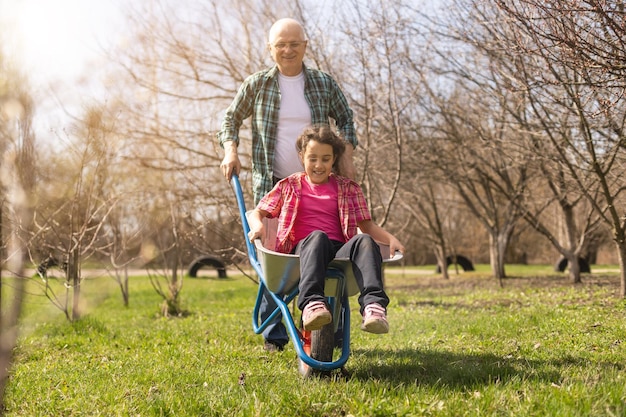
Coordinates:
[318,210]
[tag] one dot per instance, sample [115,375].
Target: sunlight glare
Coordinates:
[53,39]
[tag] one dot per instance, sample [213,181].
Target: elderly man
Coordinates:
[282,101]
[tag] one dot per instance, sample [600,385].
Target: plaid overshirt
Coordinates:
[259,98]
[283,201]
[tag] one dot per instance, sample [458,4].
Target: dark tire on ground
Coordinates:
[562,264]
[322,345]
[207,260]
[50,262]
[460,260]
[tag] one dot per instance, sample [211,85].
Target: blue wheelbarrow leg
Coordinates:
[282,307]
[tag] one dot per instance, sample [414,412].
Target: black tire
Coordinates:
[582,263]
[460,260]
[207,260]
[322,346]
[50,262]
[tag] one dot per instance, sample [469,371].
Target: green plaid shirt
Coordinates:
[259,97]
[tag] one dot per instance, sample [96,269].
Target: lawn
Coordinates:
[531,345]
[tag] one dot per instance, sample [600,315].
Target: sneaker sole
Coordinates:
[376,327]
[318,322]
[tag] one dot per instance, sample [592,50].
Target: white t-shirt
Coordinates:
[293,117]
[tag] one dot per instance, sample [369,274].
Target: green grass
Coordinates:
[462,347]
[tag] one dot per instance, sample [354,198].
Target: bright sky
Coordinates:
[56,39]
[58,44]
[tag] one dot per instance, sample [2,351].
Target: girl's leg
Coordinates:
[315,251]
[367,262]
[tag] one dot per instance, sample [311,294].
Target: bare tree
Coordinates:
[169,250]
[528,111]
[474,151]
[425,207]
[568,68]
[124,233]
[72,211]
[569,239]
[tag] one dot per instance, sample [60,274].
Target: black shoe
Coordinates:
[273,347]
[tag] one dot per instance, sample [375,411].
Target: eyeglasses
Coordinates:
[281,46]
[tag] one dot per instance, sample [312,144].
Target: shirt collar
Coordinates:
[273,72]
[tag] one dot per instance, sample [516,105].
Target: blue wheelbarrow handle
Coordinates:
[246,227]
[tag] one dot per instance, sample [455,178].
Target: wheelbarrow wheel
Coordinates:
[319,345]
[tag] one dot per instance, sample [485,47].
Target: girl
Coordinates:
[318,215]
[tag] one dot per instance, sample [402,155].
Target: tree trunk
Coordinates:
[574,268]
[73,271]
[621,250]
[125,293]
[497,250]
[570,237]
[440,254]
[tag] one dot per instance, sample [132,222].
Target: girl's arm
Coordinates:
[381,235]
[255,221]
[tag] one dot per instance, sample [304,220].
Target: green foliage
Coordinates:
[462,347]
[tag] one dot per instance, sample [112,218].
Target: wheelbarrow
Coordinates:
[279,273]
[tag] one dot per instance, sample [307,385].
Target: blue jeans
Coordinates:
[275,332]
